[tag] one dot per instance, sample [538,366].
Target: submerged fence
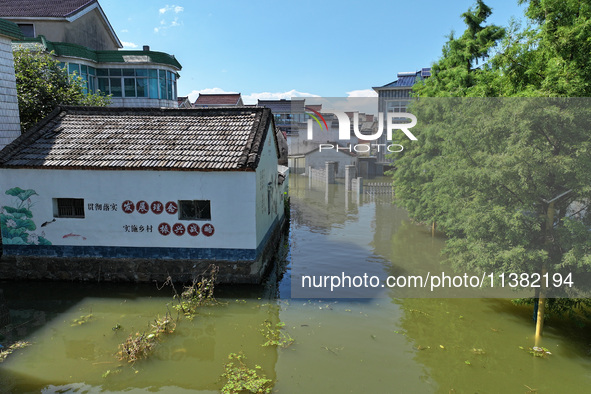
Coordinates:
[379,188]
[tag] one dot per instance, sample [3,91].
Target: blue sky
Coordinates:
[279,49]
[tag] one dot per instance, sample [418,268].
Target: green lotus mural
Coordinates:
[16,221]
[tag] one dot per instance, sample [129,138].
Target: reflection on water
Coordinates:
[382,344]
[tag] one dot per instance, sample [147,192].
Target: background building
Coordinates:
[394,97]
[218,100]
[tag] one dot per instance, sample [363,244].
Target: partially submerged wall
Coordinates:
[141,270]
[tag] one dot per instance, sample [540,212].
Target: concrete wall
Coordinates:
[9,118]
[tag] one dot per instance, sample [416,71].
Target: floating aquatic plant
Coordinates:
[242,379]
[275,335]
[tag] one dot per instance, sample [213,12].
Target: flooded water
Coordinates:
[377,344]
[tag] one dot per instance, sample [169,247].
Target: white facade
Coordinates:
[10,127]
[231,216]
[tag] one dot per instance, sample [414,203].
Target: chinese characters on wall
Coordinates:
[157,208]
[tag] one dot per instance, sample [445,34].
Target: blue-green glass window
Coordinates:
[115,72]
[129,84]
[162,78]
[116,90]
[169,85]
[142,87]
[102,72]
[74,68]
[92,79]
[153,82]
[103,85]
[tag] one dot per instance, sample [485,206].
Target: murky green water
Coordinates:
[377,345]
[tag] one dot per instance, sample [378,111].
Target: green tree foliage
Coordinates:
[550,57]
[486,169]
[42,84]
[457,73]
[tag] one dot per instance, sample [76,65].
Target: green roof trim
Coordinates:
[10,29]
[79,51]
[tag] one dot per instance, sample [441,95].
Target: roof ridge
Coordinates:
[83,6]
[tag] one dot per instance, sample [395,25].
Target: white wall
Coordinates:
[232,196]
[267,172]
[10,127]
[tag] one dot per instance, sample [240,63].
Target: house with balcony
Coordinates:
[82,39]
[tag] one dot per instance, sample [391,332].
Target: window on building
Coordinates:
[87,73]
[195,210]
[68,208]
[129,82]
[28,29]
[396,105]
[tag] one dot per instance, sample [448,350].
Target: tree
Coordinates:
[42,84]
[458,72]
[500,175]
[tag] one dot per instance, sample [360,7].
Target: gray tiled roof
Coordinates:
[42,8]
[143,138]
[217,99]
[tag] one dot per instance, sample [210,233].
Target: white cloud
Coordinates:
[362,93]
[128,45]
[253,97]
[124,31]
[169,21]
[175,8]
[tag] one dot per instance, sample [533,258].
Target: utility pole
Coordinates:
[548,244]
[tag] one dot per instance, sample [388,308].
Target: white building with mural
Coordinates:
[138,194]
